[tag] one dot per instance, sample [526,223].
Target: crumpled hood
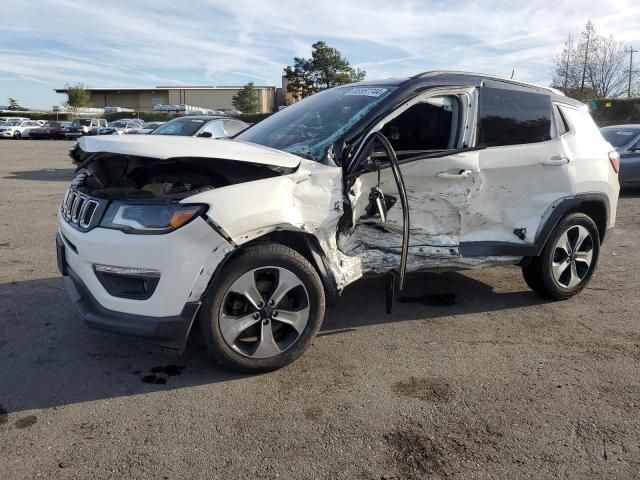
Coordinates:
[163,147]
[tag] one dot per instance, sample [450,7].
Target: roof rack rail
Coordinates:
[434,73]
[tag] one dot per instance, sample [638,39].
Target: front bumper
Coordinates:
[73,134]
[186,260]
[166,332]
[6,133]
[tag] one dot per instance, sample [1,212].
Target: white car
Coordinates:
[149,127]
[247,240]
[17,129]
[5,119]
[121,127]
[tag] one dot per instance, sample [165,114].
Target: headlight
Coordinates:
[150,218]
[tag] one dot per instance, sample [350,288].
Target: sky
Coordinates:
[141,43]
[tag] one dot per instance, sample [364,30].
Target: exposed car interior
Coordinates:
[426,126]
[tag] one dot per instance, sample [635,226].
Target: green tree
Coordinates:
[246,100]
[14,105]
[78,97]
[325,69]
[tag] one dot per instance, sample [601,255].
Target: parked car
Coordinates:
[54,130]
[254,236]
[84,126]
[121,127]
[17,129]
[149,127]
[626,140]
[5,119]
[201,126]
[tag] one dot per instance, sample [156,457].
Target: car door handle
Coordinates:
[461,175]
[556,161]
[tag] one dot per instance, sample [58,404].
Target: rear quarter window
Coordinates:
[513,117]
[581,121]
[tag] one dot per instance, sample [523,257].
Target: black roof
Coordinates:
[467,79]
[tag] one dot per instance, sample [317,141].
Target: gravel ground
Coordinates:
[498,385]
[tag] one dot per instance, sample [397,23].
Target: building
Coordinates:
[144,99]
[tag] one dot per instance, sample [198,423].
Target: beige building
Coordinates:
[143,99]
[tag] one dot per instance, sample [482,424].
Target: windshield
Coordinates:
[118,124]
[308,128]
[151,125]
[81,122]
[180,126]
[13,122]
[619,137]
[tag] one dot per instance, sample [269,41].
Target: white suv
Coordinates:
[249,238]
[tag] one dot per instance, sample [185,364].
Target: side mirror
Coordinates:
[205,135]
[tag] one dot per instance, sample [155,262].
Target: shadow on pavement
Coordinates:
[48,357]
[44,175]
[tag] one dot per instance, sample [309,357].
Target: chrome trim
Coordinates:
[78,209]
[146,272]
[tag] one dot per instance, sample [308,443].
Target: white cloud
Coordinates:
[220,41]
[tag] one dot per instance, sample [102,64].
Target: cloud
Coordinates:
[146,43]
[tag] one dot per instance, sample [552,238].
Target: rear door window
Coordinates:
[513,117]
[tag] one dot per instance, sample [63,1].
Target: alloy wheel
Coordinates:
[264,312]
[572,257]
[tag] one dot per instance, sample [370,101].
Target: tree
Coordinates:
[566,75]
[14,105]
[246,100]
[325,69]
[594,68]
[78,97]
[606,69]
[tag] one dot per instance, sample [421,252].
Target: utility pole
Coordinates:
[630,51]
[586,57]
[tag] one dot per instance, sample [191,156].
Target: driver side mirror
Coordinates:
[205,135]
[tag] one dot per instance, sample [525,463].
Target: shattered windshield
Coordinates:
[308,128]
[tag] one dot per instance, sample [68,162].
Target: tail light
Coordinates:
[614,158]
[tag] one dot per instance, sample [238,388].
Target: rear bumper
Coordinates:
[167,332]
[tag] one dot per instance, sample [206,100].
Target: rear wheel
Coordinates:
[263,309]
[567,261]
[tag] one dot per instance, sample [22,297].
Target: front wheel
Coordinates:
[263,310]
[17,135]
[567,261]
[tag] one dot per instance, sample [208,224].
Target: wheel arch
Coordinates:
[305,244]
[595,205]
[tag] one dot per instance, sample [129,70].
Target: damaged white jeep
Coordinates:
[247,239]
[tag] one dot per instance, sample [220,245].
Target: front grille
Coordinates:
[79,210]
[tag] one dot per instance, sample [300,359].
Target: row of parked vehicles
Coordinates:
[209,126]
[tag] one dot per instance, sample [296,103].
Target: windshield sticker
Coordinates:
[366,91]
[624,133]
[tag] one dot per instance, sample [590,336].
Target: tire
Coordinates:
[17,135]
[274,335]
[568,259]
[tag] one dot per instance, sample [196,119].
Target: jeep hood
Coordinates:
[165,147]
